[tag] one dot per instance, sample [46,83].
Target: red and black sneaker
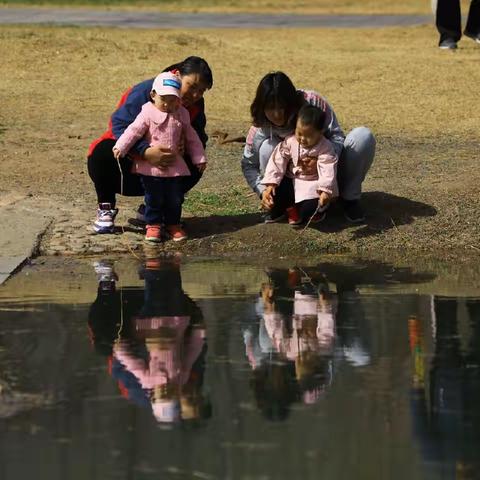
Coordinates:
[293,216]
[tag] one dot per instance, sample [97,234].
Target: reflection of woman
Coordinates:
[291,353]
[158,356]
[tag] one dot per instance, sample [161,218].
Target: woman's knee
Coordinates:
[359,150]
[360,139]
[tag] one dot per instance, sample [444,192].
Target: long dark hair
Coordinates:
[275,90]
[194,65]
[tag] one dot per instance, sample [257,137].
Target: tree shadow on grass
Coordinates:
[384,211]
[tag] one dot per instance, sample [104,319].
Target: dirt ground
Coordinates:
[59,85]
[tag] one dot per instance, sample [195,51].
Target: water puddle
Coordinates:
[200,369]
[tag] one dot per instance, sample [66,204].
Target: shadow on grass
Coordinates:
[384,211]
[200,227]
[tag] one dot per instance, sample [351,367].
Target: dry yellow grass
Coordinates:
[258,6]
[59,85]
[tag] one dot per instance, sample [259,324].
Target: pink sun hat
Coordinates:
[167,84]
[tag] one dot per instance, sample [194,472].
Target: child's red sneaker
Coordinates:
[154,234]
[177,233]
[293,216]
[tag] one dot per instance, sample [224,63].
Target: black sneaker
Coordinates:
[448,44]
[269,218]
[474,36]
[139,220]
[353,211]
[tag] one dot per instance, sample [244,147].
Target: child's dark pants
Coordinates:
[306,208]
[163,199]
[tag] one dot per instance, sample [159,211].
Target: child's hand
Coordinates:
[324,198]
[267,197]
[201,167]
[116,153]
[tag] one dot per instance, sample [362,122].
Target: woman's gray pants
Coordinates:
[355,160]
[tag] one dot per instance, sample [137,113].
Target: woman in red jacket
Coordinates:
[111,177]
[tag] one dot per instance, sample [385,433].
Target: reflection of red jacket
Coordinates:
[129,107]
[171,360]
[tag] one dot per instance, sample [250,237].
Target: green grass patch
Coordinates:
[231,202]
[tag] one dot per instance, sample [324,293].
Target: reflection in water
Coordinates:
[362,392]
[446,402]
[155,340]
[294,347]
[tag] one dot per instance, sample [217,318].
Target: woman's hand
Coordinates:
[267,197]
[161,157]
[324,198]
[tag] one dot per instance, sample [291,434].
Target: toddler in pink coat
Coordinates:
[163,121]
[310,160]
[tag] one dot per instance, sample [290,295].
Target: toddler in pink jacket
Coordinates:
[309,159]
[163,121]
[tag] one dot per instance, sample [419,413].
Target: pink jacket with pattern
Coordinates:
[288,159]
[166,129]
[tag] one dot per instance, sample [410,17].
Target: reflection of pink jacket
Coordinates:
[294,344]
[287,160]
[170,363]
[166,129]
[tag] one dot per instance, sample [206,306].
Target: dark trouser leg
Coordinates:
[154,199]
[189,182]
[174,199]
[449,19]
[105,174]
[307,208]
[284,197]
[473,22]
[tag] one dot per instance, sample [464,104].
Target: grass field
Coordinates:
[59,85]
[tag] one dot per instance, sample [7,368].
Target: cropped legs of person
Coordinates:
[448,20]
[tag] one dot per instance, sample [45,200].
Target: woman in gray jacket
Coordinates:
[274,112]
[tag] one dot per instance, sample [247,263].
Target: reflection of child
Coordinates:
[171,355]
[310,159]
[166,347]
[163,121]
[301,341]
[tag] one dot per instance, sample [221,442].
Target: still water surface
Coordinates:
[200,370]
